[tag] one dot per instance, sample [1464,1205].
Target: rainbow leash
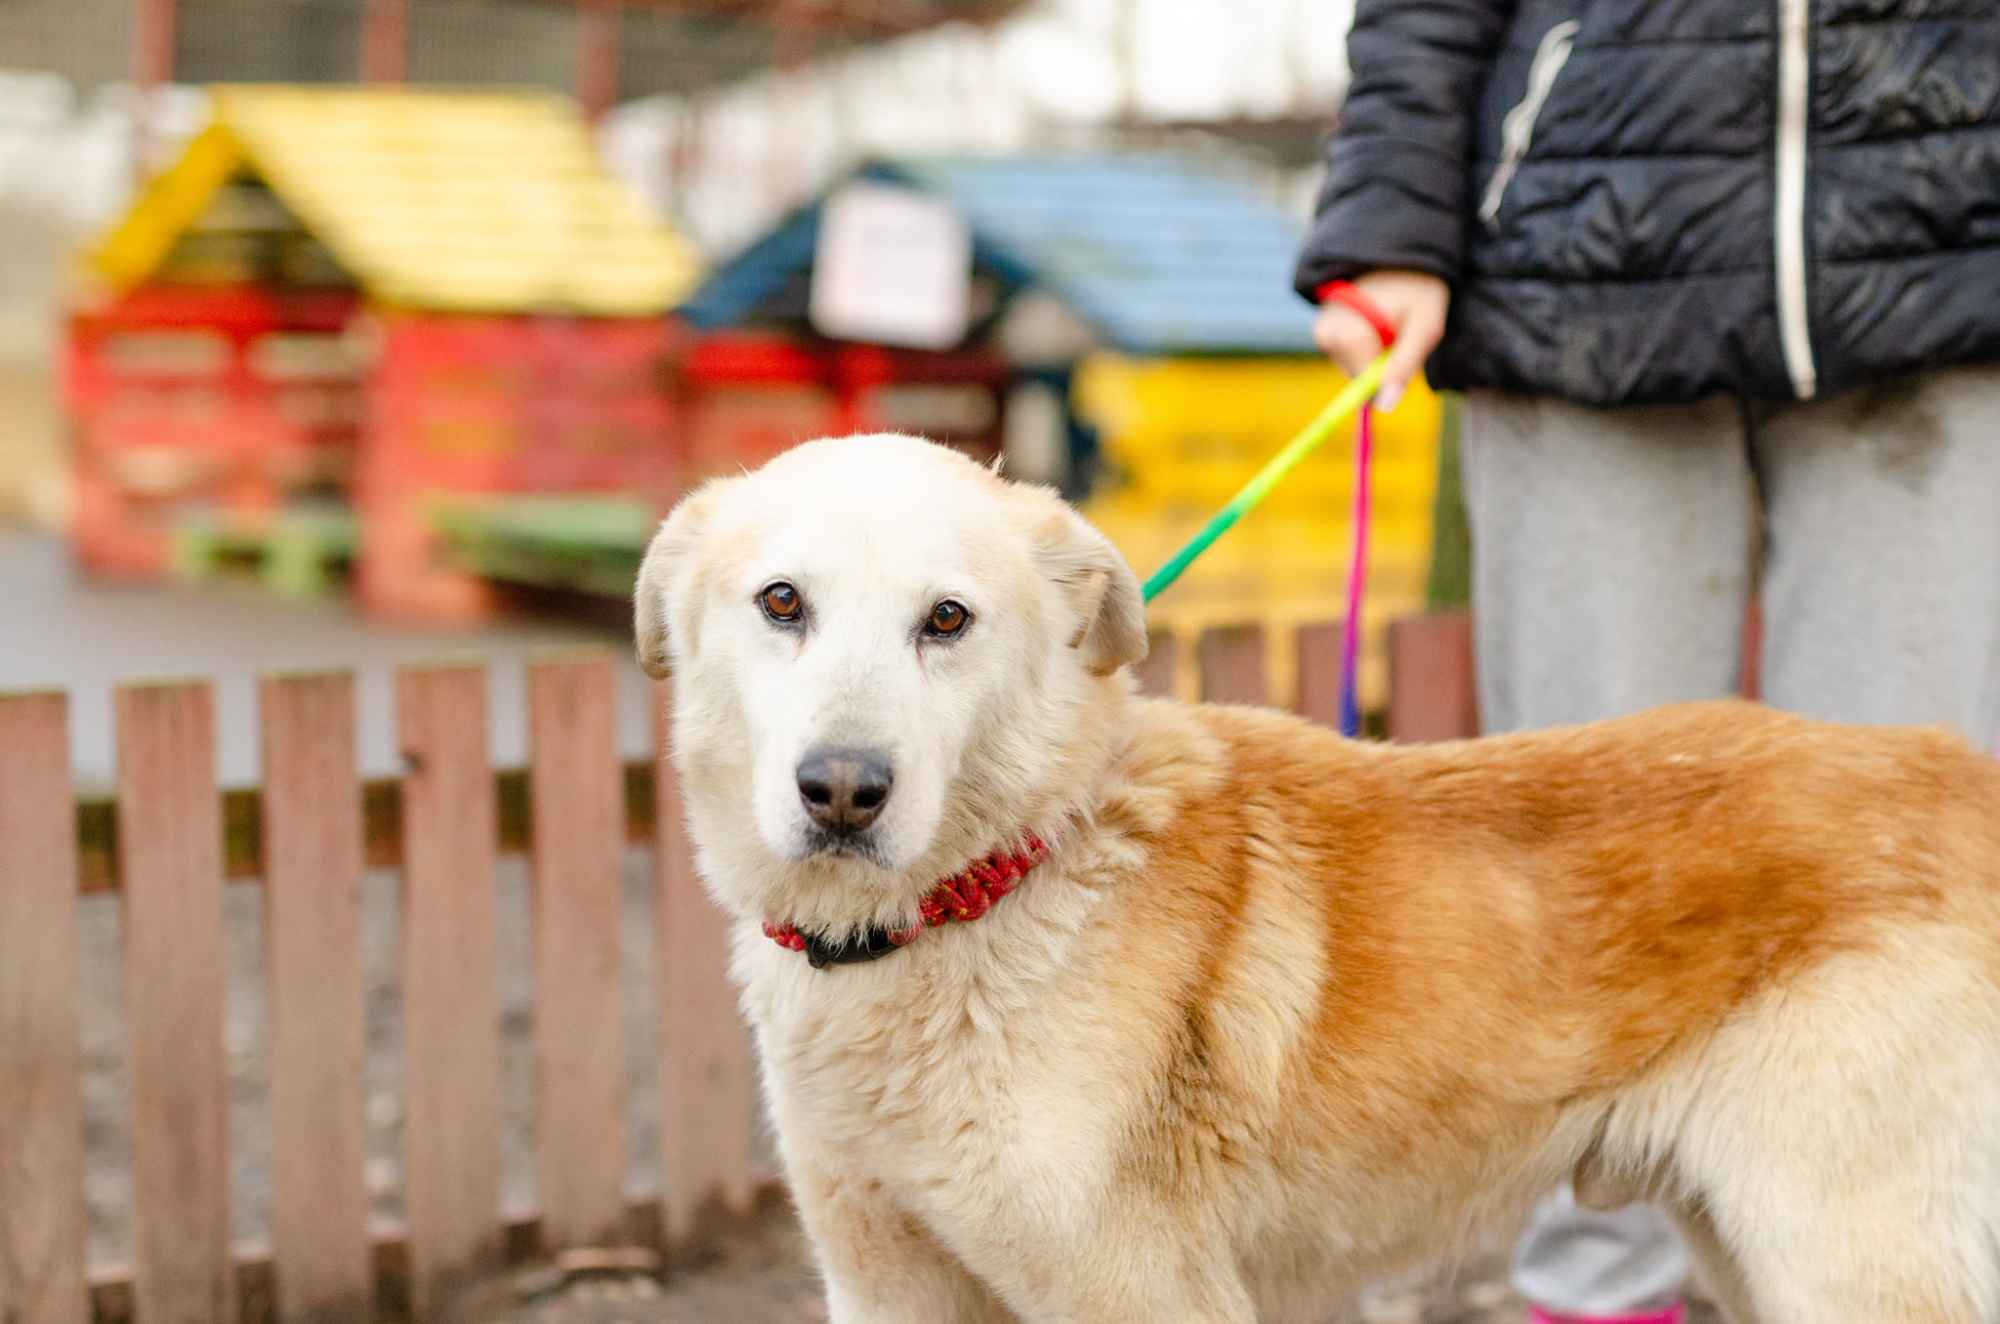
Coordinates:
[1358,394]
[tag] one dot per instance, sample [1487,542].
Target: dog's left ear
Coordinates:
[1101,591]
[660,574]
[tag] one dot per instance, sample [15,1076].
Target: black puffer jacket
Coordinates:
[1652,200]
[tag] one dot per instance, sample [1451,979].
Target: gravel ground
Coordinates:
[759,1274]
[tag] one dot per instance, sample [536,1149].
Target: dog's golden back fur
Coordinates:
[1637,879]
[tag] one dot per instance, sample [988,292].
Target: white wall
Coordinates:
[1058,72]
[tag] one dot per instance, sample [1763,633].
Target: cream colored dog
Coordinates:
[1268,1012]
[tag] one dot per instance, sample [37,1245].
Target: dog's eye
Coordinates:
[947,618]
[781,602]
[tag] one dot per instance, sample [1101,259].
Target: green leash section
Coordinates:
[1315,434]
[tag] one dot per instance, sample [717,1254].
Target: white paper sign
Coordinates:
[894,267]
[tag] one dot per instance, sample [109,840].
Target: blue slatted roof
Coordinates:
[1157,255]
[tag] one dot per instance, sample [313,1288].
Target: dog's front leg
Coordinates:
[881,1266]
[1220,1300]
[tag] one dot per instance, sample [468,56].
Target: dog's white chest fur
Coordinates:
[953,1075]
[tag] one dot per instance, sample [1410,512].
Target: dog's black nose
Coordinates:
[844,789]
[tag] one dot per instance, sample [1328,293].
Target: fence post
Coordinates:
[1158,672]
[707,1094]
[1431,690]
[597,45]
[1753,649]
[1318,687]
[385,41]
[170,858]
[41,1084]
[154,32]
[312,928]
[1231,658]
[451,1046]
[577,792]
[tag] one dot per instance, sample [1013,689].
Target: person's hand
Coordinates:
[1415,304]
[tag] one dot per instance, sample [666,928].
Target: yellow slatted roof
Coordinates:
[474,201]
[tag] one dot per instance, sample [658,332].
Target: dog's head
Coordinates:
[886,659]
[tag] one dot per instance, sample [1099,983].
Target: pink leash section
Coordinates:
[1357,575]
[1674,1314]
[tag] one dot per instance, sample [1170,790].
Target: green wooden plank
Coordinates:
[584,543]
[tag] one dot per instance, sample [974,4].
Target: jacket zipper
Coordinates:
[1789,211]
[1517,131]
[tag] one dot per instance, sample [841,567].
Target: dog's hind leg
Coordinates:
[1904,1280]
[1843,1140]
[1785,1246]
[1720,1274]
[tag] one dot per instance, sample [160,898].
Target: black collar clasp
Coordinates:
[871,944]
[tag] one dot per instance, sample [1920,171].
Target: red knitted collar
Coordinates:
[964,897]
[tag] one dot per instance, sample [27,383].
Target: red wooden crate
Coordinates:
[751,395]
[464,406]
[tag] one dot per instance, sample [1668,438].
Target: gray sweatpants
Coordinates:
[1613,555]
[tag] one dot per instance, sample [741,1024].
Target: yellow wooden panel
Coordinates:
[171,202]
[1181,436]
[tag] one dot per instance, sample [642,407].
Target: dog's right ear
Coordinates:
[661,574]
[1099,588]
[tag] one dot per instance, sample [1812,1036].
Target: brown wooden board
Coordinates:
[707,1091]
[579,1040]
[1156,673]
[1318,688]
[1232,664]
[41,1092]
[381,819]
[170,855]
[1431,692]
[312,927]
[451,1133]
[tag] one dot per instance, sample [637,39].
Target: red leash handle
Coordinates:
[1349,296]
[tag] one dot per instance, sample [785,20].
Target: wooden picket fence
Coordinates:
[171,841]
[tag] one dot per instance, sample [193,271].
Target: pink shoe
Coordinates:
[1673,1314]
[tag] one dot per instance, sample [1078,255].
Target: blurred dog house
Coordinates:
[1120,325]
[340,306]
